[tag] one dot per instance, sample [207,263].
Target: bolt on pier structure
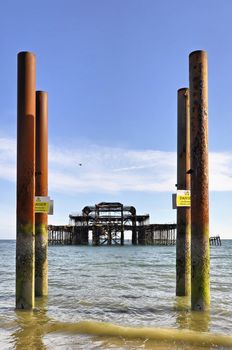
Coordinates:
[107,222]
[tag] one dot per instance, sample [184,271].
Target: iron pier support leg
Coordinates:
[200,250]
[25,243]
[41,189]
[134,233]
[183,240]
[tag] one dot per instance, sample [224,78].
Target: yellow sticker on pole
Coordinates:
[42,204]
[183,198]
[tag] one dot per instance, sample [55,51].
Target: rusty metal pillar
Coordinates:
[134,229]
[25,243]
[122,236]
[134,232]
[122,228]
[41,189]
[200,250]
[96,236]
[183,240]
[141,235]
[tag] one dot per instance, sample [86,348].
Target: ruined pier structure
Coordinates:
[107,224]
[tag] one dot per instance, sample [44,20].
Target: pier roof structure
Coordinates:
[105,213]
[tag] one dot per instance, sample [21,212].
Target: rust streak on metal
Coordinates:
[198,72]
[183,241]
[41,220]
[25,180]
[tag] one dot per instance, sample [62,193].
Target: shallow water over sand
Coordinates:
[130,287]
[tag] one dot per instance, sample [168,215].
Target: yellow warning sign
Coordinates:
[183,198]
[42,204]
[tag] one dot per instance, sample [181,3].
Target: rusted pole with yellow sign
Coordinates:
[25,242]
[183,240]
[41,218]
[200,250]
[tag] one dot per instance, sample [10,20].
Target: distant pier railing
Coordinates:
[153,234]
[61,235]
[215,240]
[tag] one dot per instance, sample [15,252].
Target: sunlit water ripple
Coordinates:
[127,286]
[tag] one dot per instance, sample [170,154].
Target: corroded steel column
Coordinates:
[183,240]
[200,257]
[25,244]
[134,230]
[41,189]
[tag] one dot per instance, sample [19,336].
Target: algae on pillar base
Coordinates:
[41,260]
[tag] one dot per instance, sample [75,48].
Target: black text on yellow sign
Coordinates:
[42,204]
[183,198]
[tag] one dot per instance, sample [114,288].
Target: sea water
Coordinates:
[116,298]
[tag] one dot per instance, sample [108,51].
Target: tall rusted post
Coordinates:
[200,251]
[25,244]
[41,189]
[183,240]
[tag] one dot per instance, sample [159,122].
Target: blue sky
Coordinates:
[112,69]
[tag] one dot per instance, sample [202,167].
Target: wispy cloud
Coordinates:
[106,169]
[220,170]
[7,158]
[113,170]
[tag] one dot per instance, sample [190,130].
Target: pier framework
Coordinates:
[107,222]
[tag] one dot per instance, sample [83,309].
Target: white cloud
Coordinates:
[220,169]
[106,169]
[7,159]
[112,170]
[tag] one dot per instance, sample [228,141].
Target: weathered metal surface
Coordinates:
[25,181]
[200,258]
[183,240]
[108,222]
[134,231]
[41,189]
[153,234]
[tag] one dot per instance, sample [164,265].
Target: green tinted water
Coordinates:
[115,298]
